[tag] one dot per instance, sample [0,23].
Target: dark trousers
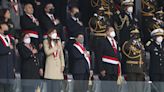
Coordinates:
[6,87]
[157,85]
[108,83]
[53,85]
[135,82]
[81,82]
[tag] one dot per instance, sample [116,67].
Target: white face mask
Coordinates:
[54,36]
[27,40]
[112,34]
[159,39]
[130,9]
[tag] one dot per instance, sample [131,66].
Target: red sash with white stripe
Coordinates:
[32,33]
[55,54]
[82,49]
[5,43]
[112,60]
[15,7]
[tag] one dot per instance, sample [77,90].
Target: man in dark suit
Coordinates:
[80,64]
[30,25]
[48,21]
[109,58]
[74,24]
[7,59]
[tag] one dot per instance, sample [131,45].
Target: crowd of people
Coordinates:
[35,44]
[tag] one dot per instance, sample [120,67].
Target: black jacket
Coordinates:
[27,24]
[73,27]
[156,58]
[7,61]
[30,64]
[106,49]
[78,63]
[47,24]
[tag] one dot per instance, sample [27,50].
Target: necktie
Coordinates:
[114,47]
[33,18]
[52,18]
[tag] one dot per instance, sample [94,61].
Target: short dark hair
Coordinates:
[79,33]
[107,28]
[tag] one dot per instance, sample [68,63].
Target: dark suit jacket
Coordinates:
[78,62]
[47,24]
[30,64]
[27,24]
[106,49]
[73,27]
[7,60]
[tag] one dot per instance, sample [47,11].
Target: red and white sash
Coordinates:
[82,49]
[31,33]
[15,7]
[5,43]
[112,60]
[55,54]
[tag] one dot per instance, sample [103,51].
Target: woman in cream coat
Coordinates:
[54,66]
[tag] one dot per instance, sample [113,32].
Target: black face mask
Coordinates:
[77,15]
[6,32]
[135,36]
[52,11]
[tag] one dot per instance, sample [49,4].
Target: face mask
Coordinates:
[112,34]
[27,40]
[81,41]
[130,9]
[52,11]
[54,36]
[159,39]
[77,15]
[6,32]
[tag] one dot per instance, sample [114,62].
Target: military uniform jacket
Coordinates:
[136,57]
[156,58]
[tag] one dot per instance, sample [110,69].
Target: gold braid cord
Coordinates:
[147,4]
[95,3]
[98,25]
[130,50]
[124,20]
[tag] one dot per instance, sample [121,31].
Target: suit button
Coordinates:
[9,53]
[159,54]
[160,59]
[160,64]
[34,60]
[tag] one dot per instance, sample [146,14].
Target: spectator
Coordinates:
[5,16]
[31,25]
[48,21]
[7,58]
[54,66]
[80,64]
[109,58]
[16,11]
[31,63]
[31,67]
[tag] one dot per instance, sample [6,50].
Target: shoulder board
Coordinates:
[148,43]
